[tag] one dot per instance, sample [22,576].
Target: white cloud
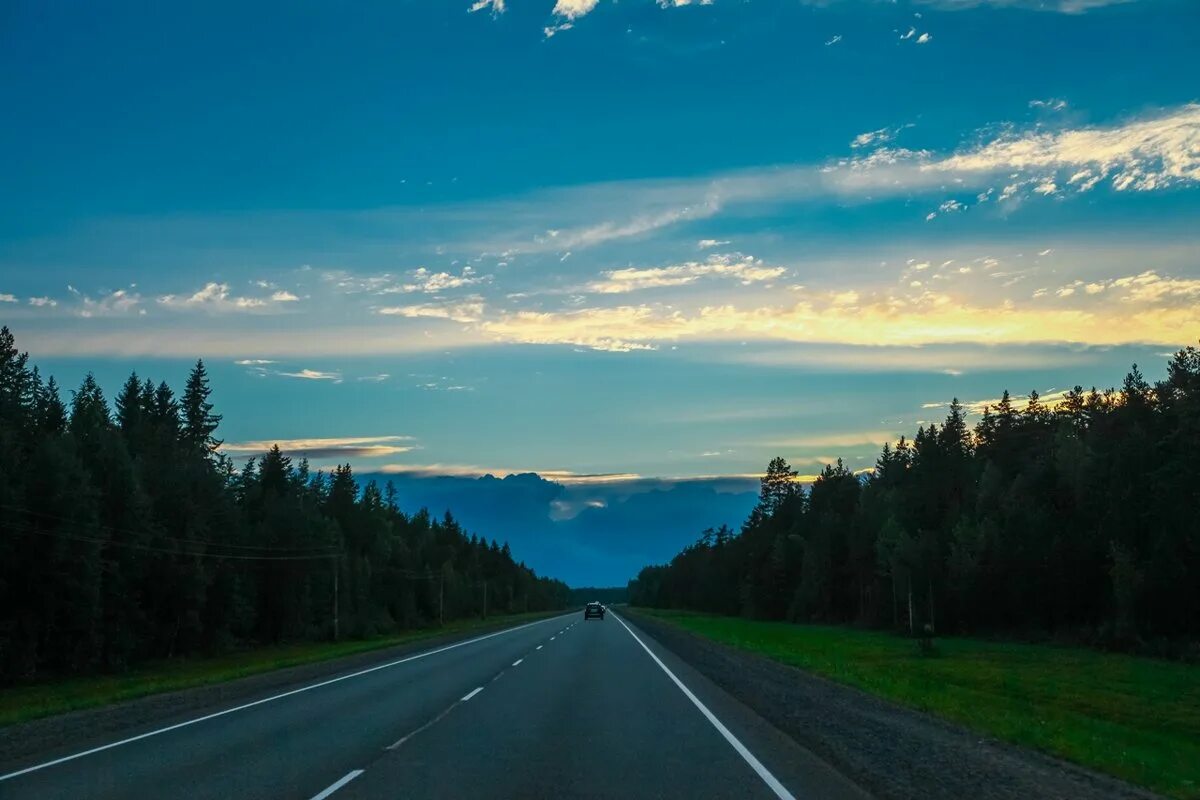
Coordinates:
[1144,155]
[497,6]
[253,362]
[378,378]
[1060,6]
[313,375]
[8,298]
[573,9]
[42,302]
[837,37]
[458,312]
[744,269]
[708,244]
[216,297]
[113,304]
[423,280]
[924,38]
[877,137]
[1050,104]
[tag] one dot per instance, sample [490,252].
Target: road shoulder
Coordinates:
[891,751]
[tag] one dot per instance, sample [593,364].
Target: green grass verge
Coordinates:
[1136,718]
[31,701]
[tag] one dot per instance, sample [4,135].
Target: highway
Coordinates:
[557,708]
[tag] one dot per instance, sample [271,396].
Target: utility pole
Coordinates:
[336,570]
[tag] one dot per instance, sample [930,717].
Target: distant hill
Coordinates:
[585,534]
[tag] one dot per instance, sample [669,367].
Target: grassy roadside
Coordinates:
[1136,718]
[32,701]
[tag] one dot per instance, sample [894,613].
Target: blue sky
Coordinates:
[653,239]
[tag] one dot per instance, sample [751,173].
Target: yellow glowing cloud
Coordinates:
[930,318]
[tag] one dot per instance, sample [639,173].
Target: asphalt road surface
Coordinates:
[558,708]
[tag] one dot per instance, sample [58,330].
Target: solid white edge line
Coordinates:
[349,776]
[471,694]
[244,706]
[770,780]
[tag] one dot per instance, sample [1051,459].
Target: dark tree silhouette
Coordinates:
[1078,519]
[128,536]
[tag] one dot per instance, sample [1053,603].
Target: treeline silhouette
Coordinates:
[1078,520]
[125,535]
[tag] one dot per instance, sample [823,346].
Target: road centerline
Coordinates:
[272,698]
[339,783]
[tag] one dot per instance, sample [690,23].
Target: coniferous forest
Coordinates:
[1079,521]
[126,536]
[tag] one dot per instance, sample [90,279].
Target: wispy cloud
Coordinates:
[744,269]
[429,282]
[1153,153]
[120,302]
[470,311]
[497,6]
[920,318]
[8,298]
[313,375]
[337,447]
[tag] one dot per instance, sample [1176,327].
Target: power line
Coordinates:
[180,540]
[20,528]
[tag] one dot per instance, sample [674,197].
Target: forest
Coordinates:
[126,536]
[1078,520]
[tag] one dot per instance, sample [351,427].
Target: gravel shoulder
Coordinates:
[891,751]
[53,737]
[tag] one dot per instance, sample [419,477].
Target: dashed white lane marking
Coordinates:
[270,699]
[471,694]
[539,647]
[349,776]
[518,661]
[552,638]
[770,780]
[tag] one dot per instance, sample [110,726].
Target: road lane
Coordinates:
[557,708]
[591,715]
[293,746]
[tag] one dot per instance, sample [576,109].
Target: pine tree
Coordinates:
[199,423]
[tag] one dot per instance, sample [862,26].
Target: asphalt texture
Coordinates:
[557,708]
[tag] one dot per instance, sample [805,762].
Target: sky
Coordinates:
[624,245]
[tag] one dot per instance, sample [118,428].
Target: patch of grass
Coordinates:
[1136,718]
[32,701]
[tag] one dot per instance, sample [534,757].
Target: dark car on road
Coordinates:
[593,609]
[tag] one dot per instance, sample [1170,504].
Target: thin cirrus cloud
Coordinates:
[923,318]
[338,447]
[313,375]
[470,311]
[1152,153]
[744,269]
